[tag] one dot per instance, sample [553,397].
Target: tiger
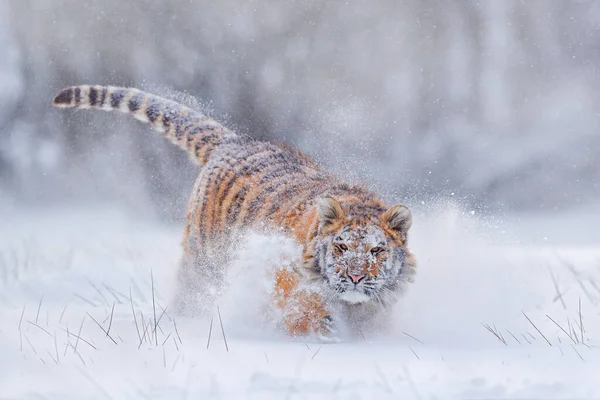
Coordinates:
[355,262]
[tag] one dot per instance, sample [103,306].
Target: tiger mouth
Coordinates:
[354,295]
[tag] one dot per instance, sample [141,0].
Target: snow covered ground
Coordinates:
[500,309]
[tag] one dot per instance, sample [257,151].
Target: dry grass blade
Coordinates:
[143,326]
[411,349]
[496,334]
[40,328]
[561,328]
[209,333]
[103,330]
[137,329]
[514,337]
[78,339]
[67,343]
[594,285]
[363,335]
[114,293]
[22,313]
[86,300]
[572,330]
[30,345]
[97,290]
[164,312]
[56,347]
[412,337]
[52,357]
[63,313]
[165,341]
[144,334]
[79,333]
[581,322]
[559,295]
[316,352]
[37,316]
[536,328]
[577,277]
[575,350]
[154,307]
[499,333]
[78,354]
[222,329]
[177,332]
[112,311]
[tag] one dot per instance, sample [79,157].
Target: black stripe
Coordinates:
[210,149]
[153,110]
[238,200]
[245,171]
[212,185]
[64,97]
[179,128]
[116,98]
[77,96]
[274,164]
[103,96]
[364,208]
[93,96]
[288,192]
[196,130]
[135,103]
[257,203]
[204,140]
[168,116]
[243,155]
[184,126]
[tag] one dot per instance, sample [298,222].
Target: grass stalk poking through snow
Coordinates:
[37,316]
[581,321]
[222,329]
[496,333]
[103,330]
[561,328]
[137,329]
[209,333]
[536,328]
[154,308]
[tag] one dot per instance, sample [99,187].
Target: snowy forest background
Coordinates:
[496,103]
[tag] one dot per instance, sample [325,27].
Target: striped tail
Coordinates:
[191,130]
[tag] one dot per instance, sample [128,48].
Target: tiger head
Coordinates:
[360,251]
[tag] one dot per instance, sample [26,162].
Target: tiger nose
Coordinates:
[356,278]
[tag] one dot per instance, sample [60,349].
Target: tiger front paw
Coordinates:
[328,331]
[307,315]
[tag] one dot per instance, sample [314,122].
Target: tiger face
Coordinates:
[361,254]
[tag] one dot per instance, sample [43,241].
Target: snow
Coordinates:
[62,267]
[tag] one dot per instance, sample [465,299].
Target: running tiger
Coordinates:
[355,259]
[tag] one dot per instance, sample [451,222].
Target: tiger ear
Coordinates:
[398,218]
[329,211]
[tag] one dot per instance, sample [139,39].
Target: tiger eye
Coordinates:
[342,247]
[376,250]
